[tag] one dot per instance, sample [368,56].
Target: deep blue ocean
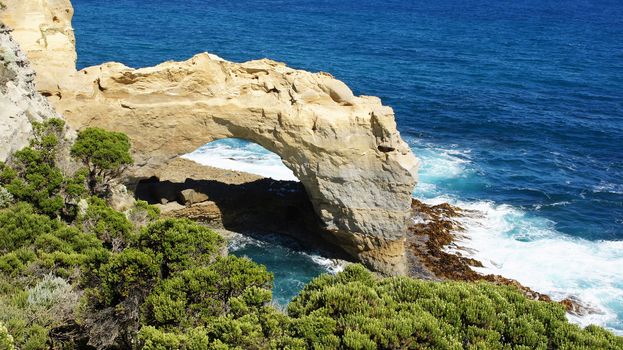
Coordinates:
[515,109]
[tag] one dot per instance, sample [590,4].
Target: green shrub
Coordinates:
[15,262]
[151,338]
[20,226]
[400,312]
[105,154]
[130,272]
[29,238]
[33,176]
[34,180]
[109,225]
[180,244]
[205,292]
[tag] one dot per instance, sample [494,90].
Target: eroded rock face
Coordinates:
[43,29]
[345,149]
[20,103]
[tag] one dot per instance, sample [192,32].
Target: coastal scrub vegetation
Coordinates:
[104,153]
[86,276]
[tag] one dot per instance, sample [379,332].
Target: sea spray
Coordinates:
[509,241]
[524,246]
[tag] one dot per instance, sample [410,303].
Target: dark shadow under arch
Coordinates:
[261,209]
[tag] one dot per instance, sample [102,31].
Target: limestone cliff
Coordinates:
[345,149]
[43,29]
[20,103]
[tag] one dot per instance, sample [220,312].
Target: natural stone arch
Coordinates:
[345,150]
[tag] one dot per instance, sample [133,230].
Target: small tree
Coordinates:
[106,155]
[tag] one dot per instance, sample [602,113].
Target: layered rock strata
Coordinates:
[345,149]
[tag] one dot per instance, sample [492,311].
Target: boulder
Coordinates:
[190,196]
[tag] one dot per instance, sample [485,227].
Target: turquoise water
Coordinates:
[514,108]
[291,267]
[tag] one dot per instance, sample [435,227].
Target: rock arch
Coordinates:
[345,149]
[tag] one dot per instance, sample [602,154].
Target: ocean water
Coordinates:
[292,268]
[515,109]
[241,155]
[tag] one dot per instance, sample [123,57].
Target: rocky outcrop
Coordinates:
[345,149]
[43,29]
[436,230]
[20,104]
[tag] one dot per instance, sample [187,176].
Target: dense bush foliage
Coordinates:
[110,226]
[34,180]
[104,153]
[180,244]
[400,312]
[357,310]
[33,176]
[33,244]
[92,277]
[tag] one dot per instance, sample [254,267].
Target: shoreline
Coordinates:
[434,241]
[434,251]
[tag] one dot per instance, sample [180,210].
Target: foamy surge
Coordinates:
[515,244]
[237,241]
[508,241]
[240,155]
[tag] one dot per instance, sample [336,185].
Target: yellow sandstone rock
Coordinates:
[345,149]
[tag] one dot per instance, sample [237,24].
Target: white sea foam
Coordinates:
[442,163]
[239,155]
[507,240]
[332,266]
[510,243]
[515,244]
[605,187]
[237,241]
[438,165]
